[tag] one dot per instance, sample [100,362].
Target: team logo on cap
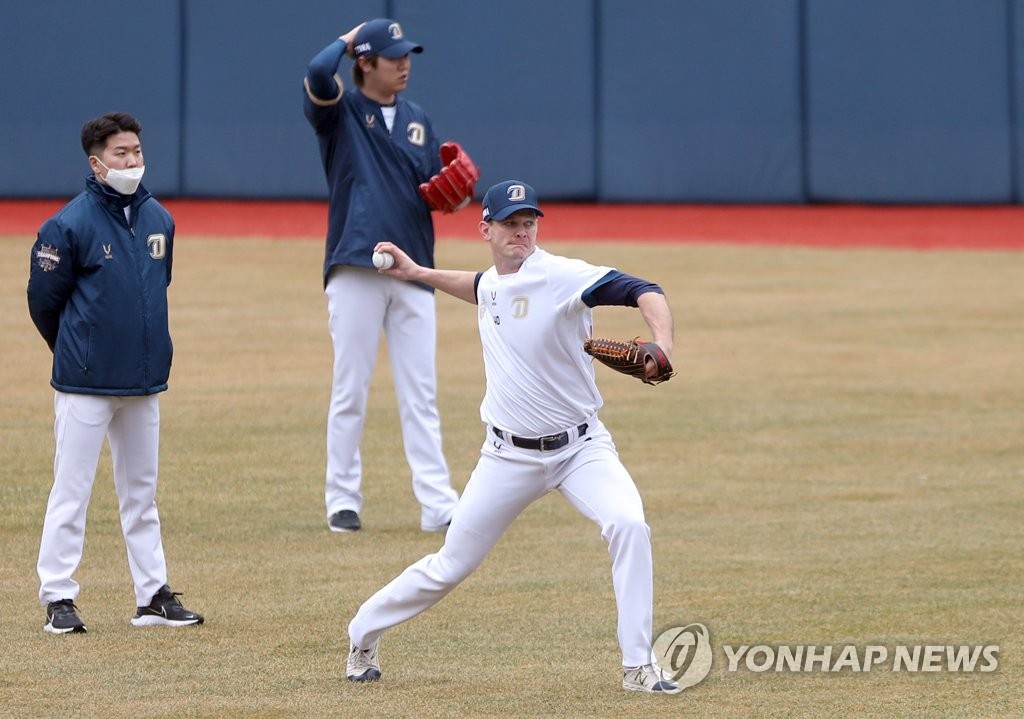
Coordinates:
[516,193]
[395,31]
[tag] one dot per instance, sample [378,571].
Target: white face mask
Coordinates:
[124,181]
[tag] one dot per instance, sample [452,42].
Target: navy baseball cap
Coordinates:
[383,37]
[508,197]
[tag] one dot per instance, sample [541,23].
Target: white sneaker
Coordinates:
[647,678]
[363,664]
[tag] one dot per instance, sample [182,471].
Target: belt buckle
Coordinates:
[551,442]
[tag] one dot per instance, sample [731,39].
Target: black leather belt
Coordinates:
[544,444]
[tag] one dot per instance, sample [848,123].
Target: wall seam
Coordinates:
[596,109]
[1011,107]
[804,93]
[182,93]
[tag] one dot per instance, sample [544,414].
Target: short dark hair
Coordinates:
[357,72]
[97,130]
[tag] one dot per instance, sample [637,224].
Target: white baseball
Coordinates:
[383,260]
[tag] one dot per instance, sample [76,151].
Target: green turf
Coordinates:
[839,461]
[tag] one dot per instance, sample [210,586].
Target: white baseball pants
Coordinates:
[506,480]
[132,426]
[360,302]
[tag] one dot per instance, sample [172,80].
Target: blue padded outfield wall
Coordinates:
[708,101]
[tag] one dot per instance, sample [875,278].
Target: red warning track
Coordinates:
[941,227]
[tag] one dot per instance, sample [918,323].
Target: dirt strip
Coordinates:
[923,227]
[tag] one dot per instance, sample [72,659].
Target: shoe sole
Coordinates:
[370,675]
[50,629]
[343,530]
[633,688]
[150,621]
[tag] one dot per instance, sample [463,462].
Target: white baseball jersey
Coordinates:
[532,327]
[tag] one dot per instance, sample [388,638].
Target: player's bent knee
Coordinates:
[448,569]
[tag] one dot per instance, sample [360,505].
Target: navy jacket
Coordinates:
[372,175]
[97,292]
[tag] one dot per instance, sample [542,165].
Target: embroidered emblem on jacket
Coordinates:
[47,257]
[416,133]
[157,245]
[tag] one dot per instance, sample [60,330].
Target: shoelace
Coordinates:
[64,608]
[169,598]
[364,658]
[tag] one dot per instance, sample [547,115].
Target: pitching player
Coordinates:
[534,312]
[97,293]
[377,148]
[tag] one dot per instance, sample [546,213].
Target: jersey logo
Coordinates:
[520,307]
[417,133]
[47,257]
[370,119]
[157,246]
[108,252]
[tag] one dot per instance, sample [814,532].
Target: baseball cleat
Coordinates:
[344,521]
[165,610]
[363,664]
[62,618]
[647,678]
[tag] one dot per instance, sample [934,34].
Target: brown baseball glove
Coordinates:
[644,360]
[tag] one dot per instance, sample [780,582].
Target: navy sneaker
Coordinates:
[344,521]
[62,618]
[165,610]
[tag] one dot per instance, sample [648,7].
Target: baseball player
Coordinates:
[534,312]
[377,148]
[97,293]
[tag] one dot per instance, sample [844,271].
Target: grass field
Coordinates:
[839,462]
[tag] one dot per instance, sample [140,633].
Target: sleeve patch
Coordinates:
[47,257]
